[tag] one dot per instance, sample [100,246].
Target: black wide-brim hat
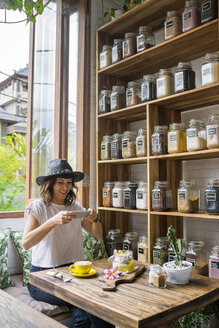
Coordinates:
[59,168]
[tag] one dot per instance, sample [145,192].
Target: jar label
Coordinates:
[206,6]
[191,133]
[171,256]
[103,147]
[125,247]
[113,101]
[182,195]
[140,42]
[161,90]
[188,15]
[103,59]
[145,91]
[156,195]
[212,131]
[125,46]
[114,54]
[124,144]
[156,254]
[105,194]
[169,24]
[113,145]
[115,195]
[215,265]
[172,136]
[207,76]
[211,196]
[130,93]
[191,261]
[141,250]
[139,142]
[139,195]
[179,84]
[126,195]
[155,141]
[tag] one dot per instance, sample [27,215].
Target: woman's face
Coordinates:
[61,189]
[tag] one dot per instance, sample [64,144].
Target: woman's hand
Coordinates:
[63,217]
[92,216]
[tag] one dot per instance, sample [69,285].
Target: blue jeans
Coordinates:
[81,318]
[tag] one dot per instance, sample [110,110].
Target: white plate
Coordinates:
[81,214]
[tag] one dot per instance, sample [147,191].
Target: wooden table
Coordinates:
[132,304]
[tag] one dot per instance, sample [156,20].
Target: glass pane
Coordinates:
[73,79]
[43,94]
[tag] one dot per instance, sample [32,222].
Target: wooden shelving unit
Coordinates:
[187,46]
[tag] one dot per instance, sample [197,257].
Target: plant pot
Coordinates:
[179,276]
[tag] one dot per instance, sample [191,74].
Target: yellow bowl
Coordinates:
[81,267]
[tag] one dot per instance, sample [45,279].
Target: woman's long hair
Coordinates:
[46,191]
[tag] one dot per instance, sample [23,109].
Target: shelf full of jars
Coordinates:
[156,98]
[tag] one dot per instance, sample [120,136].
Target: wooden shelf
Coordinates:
[124,210]
[196,43]
[200,154]
[133,160]
[130,114]
[200,214]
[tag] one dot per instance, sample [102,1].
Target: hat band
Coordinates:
[61,171]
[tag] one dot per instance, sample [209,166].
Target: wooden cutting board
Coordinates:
[129,277]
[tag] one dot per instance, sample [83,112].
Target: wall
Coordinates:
[200,170]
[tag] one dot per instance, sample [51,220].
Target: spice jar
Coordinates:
[129,45]
[145,38]
[130,243]
[160,252]
[184,77]
[117,98]
[159,140]
[176,138]
[117,50]
[148,88]
[128,144]
[159,277]
[172,24]
[213,262]
[212,129]
[196,135]
[188,197]
[106,147]
[107,193]
[191,15]
[116,146]
[211,196]
[208,10]
[141,143]
[113,241]
[159,196]
[196,254]
[118,191]
[143,249]
[133,93]
[104,101]
[142,196]
[129,198]
[210,68]
[106,56]
[151,273]
[165,83]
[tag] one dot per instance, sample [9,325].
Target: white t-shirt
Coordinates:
[61,245]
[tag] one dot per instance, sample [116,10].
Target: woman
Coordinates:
[55,234]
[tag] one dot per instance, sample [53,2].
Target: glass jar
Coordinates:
[197,255]
[151,272]
[211,196]
[210,68]
[133,93]
[116,146]
[209,10]
[159,140]
[129,198]
[213,262]
[128,144]
[188,197]
[104,101]
[159,277]
[106,147]
[129,45]
[107,194]
[141,143]
[148,88]
[184,77]
[118,191]
[143,249]
[159,196]
[106,56]
[145,38]
[160,251]
[165,83]
[212,130]
[176,138]
[172,24]
[117,50]
[171,254]
[130,243]
[191,15]
[117,98]
[142,196]
[196,135]
[113,241]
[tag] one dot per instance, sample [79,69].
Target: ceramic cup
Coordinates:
[81,267]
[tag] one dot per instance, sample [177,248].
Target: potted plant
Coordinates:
[29,7]
[178,271]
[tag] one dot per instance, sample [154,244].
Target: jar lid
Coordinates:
[106,137]
[177,126]
[132,184]
[196,243]
[191,3]
[131,235]
[212,55]
[114,232]
[117,41]
[117,136]
[161,184]
[149,78]
[133,84]
[119,184]
[105,92]
[108,184]
[152,267]
[143,183]
[161,128]
[143,238]
[107,47]
[130,35]
[213,118]
[187,183]
[145,29]
[118,88]
[162,239]
[142,132]
[196,121]
[129,133]
[184,65]
[213,182]
[163,71]
[173,13]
